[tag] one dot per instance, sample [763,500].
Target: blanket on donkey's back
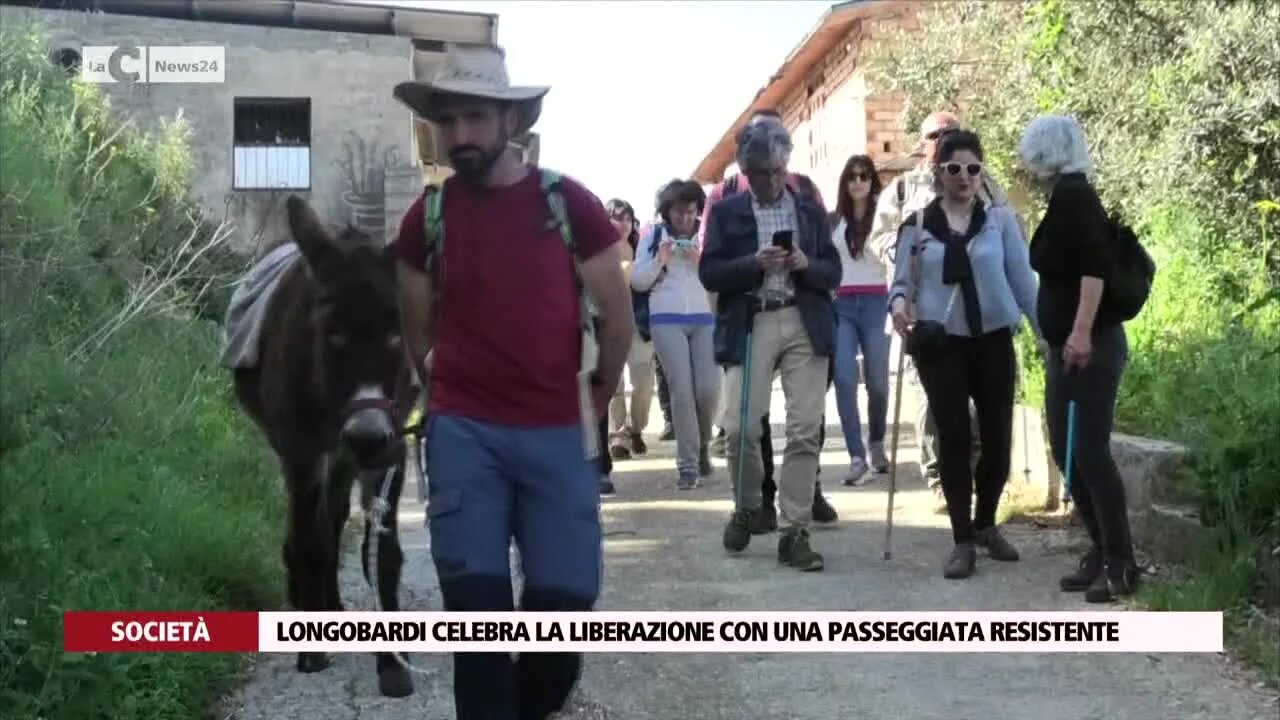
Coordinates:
[249,304]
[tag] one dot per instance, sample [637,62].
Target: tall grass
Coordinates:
[128,480]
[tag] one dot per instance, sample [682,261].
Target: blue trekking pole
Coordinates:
[1071,443]
[742,415]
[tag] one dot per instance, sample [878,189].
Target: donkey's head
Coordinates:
[355,328]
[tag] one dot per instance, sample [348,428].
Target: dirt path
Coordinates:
[664,553]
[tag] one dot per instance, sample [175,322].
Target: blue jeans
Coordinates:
[488,484]
[860,323]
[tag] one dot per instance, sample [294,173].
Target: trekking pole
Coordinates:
[1071,444]
[744,404]
[1026,440]
[893,452]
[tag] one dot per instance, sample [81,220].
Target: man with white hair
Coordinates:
[904,195]
[769,258]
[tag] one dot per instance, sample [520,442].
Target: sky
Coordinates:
[640,90]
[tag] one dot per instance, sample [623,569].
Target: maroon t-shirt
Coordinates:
[507,345]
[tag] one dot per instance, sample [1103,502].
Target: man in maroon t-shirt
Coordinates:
[498,309]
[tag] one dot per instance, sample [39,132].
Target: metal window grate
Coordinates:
[271,144]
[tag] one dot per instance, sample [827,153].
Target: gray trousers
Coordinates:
[687,355]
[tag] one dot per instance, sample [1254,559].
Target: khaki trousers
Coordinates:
[778,343]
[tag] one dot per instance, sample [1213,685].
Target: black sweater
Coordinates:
[1070,243]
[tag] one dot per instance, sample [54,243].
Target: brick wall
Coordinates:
[834,114]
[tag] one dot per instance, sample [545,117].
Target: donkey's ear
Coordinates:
[315,241]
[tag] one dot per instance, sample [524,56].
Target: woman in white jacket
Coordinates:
[861,302]
[681,323]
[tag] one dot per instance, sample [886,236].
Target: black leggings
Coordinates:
[1096,485]
[985,369]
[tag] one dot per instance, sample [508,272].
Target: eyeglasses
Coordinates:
[935,134]
[953,168]
[859,176]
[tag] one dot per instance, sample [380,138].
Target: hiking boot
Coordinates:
[858,474]
[668,433]
[618,451]
[823,513]
[879,461]
[737,533]
[964,557]
[794,550]
[1089,569]
[705,469]
[719,445]
[1117,579]
[764,520]
[606,486]
[637,445]
[997,546]
[686,482]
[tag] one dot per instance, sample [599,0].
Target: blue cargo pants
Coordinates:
[488,484]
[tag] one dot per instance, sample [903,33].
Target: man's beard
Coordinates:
[473,163]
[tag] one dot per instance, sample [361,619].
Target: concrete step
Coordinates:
[1169,533]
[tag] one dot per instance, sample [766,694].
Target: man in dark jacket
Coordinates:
[773,311]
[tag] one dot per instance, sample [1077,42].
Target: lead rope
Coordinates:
[378,508]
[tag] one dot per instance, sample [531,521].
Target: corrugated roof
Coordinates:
[413,22]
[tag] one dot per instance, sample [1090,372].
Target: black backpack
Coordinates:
[1132,272]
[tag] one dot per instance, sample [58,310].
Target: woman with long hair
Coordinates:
[962,284]
[860,322]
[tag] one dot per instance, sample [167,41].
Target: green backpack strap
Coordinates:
[433,224]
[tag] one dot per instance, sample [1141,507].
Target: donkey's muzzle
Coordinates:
[369,434]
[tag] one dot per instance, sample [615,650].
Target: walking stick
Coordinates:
[744,404]
[893,454]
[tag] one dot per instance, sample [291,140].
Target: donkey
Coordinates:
[330,391]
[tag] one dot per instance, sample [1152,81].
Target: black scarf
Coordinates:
[955,259]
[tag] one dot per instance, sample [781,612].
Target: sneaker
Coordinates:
[668,433]
[1088,570]
[606,486]
[794,550]
[997,546]
[879,461]
[637,445]
[764,520]
[823,513]
[961,563]
[857,473]
[686,482]
[737,533]
[618,451]
[705,469]
[1117,579]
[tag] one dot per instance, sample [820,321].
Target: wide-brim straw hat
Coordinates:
[471,70]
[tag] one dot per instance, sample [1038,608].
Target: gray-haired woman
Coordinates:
[1088,350]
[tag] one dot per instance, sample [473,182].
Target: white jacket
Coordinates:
[674,289]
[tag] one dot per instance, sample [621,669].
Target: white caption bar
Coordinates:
[769,632]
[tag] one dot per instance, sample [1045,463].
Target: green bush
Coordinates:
[129,479]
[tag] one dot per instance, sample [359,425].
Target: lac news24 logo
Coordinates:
[133,64]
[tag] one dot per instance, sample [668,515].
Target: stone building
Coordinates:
[305,106]
[826,102]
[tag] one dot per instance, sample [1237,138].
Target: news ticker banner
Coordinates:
[661,632]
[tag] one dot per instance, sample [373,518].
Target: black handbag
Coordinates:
[926,337]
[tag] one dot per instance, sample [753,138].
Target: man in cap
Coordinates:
[774,311]
[767,519]
[904,195]
[496,301]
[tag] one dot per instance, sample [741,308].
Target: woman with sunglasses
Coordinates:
[962,284]
[860,303]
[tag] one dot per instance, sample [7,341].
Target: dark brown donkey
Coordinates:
[324,393]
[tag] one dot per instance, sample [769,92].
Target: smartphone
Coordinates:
[783,239]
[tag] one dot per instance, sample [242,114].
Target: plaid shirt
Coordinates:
[771,218]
